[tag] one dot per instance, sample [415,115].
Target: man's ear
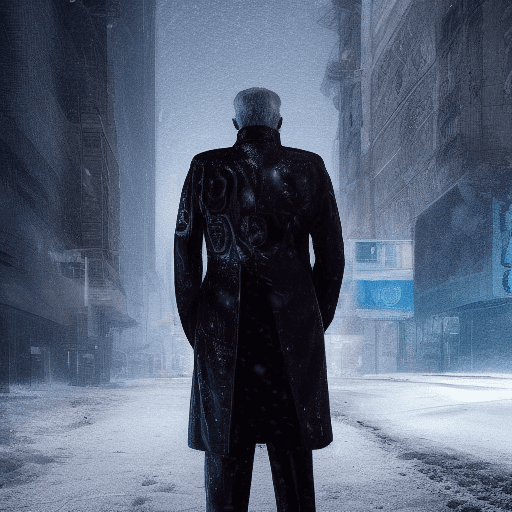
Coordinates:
[236,124]
[279,123]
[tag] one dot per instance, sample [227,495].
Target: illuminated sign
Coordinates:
[389,295]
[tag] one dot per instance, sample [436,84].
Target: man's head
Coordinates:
[257,106]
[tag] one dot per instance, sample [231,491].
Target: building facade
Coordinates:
[425,103]
[61,300]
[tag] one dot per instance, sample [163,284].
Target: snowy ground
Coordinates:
[403,442]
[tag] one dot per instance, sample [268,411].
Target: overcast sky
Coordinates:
[209,50]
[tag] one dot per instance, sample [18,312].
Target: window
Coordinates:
[366,252]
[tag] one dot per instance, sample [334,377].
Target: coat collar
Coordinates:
[252,133]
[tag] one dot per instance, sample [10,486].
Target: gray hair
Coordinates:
[257,106]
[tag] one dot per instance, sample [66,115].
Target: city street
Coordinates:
[245,177]
[402,442]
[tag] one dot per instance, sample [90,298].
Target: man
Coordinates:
[257,320]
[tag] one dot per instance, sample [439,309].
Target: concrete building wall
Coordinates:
[433,97]
[436,82]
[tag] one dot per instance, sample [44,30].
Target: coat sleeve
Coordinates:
[329,252]
[188,261]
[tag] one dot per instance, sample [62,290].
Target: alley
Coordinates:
[123,448]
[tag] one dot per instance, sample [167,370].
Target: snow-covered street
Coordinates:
[402,442]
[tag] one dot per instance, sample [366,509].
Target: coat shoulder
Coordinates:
[214,154]
[301,156]
[307,163]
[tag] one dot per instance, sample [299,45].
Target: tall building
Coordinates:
[425,97]
[61,300]
[140,350]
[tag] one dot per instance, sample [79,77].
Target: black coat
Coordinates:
[256,204]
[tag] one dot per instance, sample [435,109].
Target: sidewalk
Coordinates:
[471,413]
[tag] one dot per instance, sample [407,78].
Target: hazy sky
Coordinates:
[207,51]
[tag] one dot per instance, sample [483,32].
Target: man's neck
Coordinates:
[259,132]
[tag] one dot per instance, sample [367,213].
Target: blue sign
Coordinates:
[391,295]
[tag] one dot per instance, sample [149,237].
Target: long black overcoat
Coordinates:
[256,204]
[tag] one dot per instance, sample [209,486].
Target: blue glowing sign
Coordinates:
[391,295]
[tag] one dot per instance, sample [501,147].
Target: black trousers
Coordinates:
[228,480]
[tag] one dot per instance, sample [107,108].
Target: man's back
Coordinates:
[257,203]
[272,190]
